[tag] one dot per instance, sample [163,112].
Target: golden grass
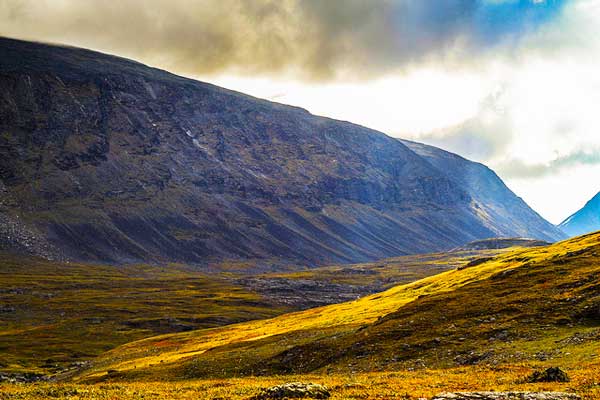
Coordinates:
[68,312]
[162,355]
[385,385]
[59,313]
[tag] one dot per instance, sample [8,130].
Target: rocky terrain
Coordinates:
[294,390]
[501,243]
[305,293]
[17,236]
[109,160]
[314,287]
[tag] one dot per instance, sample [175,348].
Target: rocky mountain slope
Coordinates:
[107,159]
[587,219]
[499,208]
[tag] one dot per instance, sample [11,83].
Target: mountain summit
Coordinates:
[586,220]
[106,159]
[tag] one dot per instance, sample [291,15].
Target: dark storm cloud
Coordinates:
[313,38]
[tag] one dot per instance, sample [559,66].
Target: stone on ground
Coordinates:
[294,390]
[507,396]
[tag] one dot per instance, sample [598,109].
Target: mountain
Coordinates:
[585,220]
[106,159]
[499,208]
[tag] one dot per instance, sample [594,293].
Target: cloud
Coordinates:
[314,39]
[540,121]
[482,137]
[516,168]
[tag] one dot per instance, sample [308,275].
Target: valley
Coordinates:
[482,325]
[526,305]
[57,315]
[166,238]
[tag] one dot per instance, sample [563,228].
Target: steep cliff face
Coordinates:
[110,160]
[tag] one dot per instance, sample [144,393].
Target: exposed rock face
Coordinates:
[499,208]
[295,390]
[507,396]
[114,161]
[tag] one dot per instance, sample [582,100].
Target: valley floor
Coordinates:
[56,316]
[424,383]
[486,323]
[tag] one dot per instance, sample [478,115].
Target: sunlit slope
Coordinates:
[257,346]
[57,315]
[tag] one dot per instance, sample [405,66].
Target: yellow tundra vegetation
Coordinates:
[175,355]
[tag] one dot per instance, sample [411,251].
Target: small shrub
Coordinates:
[553,374]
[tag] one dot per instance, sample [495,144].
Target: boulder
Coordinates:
[294,390]
[507,396]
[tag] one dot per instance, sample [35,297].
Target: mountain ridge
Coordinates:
[585,220]
[109,160]
[498,201]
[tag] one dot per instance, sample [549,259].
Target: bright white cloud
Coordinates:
[403,105]
[557,196]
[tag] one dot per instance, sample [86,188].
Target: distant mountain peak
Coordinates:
[585,220]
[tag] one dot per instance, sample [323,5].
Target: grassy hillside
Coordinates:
[527,307]
[55,314]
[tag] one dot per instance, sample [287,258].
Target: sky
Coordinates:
[509,83]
